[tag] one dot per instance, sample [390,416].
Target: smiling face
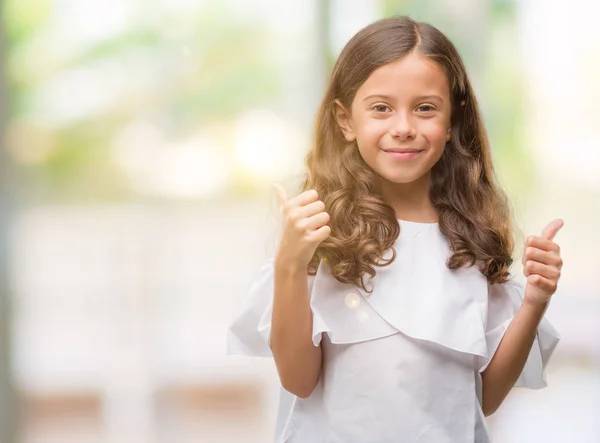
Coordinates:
[400,119]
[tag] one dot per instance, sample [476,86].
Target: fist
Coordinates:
[304,227]
[542,264]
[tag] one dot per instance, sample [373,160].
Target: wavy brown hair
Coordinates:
[473,211]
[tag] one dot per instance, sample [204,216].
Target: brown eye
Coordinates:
[381,108]
[426,108]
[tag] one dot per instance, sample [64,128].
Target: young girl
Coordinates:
[388,307]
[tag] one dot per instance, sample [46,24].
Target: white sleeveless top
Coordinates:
[403,363]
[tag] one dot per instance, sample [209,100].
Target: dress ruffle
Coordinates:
[416,295]
[503,302]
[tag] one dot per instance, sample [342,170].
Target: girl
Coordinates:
[388,307]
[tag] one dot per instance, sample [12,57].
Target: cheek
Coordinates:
[371,130]
[435,131]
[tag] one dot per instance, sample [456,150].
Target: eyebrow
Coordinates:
[388,98]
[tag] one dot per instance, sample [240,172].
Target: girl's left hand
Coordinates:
[542,264]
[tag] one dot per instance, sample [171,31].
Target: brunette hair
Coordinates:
[473,211]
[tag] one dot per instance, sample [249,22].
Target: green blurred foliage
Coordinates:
[210,70]
[204,70]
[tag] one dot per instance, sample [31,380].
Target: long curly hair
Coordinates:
[473,211]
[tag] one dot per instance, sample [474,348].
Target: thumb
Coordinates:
[281,194]
[552,228]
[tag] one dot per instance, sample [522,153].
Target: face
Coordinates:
[400,119]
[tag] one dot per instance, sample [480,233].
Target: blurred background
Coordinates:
[139,142]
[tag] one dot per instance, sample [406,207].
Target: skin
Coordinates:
[402,105]
[305,226]
[542,266]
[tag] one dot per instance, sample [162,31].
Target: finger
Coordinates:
[552,228]
[303,199]
[312,209]
[281,194]
[542,243]
[541,256]
[320,234]
[318,220]
[543,283]
[550,272]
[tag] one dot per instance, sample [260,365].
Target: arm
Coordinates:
[542,267]
[510,357]
[297,359]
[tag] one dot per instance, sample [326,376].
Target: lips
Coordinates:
[403,153]
[403,150]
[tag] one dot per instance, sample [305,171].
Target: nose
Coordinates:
[402,126]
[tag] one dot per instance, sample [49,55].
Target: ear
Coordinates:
[449,133]
[344,121]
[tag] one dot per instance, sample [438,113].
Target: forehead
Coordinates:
[413,75]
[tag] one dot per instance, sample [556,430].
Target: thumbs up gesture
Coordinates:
[304,227]
[542,264]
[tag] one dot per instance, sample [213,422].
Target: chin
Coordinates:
[401,179]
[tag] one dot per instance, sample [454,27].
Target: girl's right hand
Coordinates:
[304,227]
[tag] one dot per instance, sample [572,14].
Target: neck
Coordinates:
[410,201]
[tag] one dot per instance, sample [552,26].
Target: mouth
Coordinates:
[403,153]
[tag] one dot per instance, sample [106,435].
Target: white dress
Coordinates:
[403,363]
